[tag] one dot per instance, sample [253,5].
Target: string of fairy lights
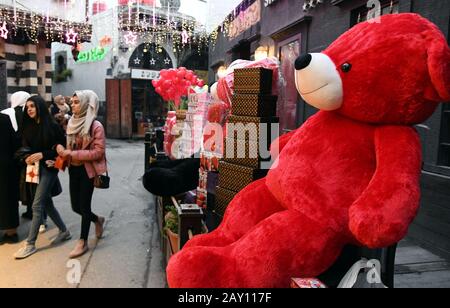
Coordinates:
[16,22]
[161,27]
[155,26]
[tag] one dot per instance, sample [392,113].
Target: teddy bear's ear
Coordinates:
[439,67]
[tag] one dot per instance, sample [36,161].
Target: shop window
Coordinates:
[444,143]
[60,62]
[387,7]
[289,51]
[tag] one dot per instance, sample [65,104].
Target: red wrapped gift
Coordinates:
[307,283]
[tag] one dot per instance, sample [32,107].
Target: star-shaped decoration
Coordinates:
[153,62]
[174,23]
[4,31]
[185,37]
[71,36]
[145,25]
[137,61]
[167,61]
[130,38]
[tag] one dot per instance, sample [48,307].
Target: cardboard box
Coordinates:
[246,153]
[236,177]
[251,128]
[223,199]
[253,81]
[254,105]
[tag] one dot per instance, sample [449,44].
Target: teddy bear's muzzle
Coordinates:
[318,81]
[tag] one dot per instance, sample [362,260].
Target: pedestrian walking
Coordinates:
[9,193]
[86,155]
[41,135]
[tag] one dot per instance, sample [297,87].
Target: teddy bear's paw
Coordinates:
[213,239]
[374,230]
[201,267]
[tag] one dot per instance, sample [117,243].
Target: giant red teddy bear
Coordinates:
[349,175]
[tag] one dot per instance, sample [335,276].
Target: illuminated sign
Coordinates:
[94,55]
[245,20]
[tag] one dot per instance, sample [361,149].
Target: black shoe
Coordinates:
[10,239]
[27,215]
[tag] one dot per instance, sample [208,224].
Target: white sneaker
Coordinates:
[25,252]
[43,229]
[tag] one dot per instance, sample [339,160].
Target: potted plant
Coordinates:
[63,76]
[171,227]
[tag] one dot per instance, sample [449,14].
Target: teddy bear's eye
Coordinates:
[346,67]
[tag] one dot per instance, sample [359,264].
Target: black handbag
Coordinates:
[102,181]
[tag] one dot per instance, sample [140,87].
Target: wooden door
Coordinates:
[126,109]
[113,118]
[118,109]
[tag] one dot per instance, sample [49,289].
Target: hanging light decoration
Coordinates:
[161,26]
[71,36]
[130,38]
[4,31]
[14,21]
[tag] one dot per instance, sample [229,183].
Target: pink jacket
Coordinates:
[93,154]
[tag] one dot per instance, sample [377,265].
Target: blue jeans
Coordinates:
[43,201]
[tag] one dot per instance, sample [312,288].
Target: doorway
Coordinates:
[289,51]
[148,108]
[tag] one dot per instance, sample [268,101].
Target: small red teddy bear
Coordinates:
[349,175]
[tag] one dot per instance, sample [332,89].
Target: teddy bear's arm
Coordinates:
[278,145]
[383,213]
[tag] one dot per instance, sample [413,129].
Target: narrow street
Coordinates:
[127,256]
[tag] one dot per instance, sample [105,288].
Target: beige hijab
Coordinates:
[80,127]
[60,102]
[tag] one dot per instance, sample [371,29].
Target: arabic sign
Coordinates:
[144,74]
[94,55]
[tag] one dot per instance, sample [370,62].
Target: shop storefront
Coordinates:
[287,28]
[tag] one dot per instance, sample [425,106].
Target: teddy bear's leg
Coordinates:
[247,209]
[287,244]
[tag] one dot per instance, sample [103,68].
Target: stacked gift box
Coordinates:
[247,142]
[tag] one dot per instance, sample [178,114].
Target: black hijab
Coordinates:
[39,133]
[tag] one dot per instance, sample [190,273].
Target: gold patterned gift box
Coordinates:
[236,178]
[253,81]
[223,199]
[246,153]
[254,105]
[252,128]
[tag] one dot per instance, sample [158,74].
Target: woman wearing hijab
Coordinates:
[41,135]
[15,113]
[9,204]
[62,112]
[86,154]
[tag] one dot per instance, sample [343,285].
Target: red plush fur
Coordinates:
[350,176]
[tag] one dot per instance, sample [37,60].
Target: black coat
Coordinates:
[171,178]
[9,207]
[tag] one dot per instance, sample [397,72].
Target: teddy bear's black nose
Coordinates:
[303,61]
